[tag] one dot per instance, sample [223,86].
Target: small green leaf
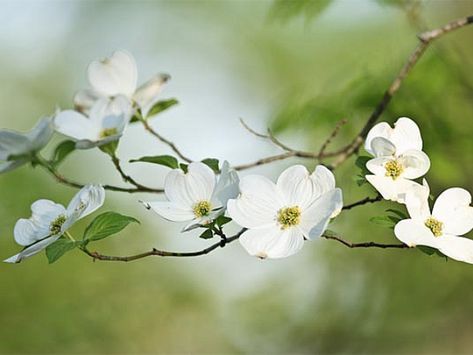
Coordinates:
[59,248]
[430,251]
[207,234]
[166,160]
[222,220]
[361,162]
[184,167]
[110,148]
[62,150]
[400,214]
[360,180]
[107,224]
[386,221]
[212,164]
[161,106]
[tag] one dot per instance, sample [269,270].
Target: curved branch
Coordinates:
[364,244]
[364,201]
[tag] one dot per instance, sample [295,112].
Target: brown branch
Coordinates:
[364,244]
[364,201]
[426,39]
[330,139]
[127,178]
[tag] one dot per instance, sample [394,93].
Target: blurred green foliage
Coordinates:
[321,61]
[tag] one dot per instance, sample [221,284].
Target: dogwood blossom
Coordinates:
[451,217]
[399,158]
[280,216]
[117,75]
[51,220]
[18,148]
[195,196]
[105,123]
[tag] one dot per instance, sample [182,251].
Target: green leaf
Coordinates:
[184,167]
[400,214]
[161,106]
[166,160]
[207,234]
[59,248]
[212,164]
[62,150]
[361,161]
[360,180]
[107,224]
[222,220]
[109,148]
[386,221]
[430,251]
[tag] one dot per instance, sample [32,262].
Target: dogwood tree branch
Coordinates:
[425,39]
[362,202]
[363,244]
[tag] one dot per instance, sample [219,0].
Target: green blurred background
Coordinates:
[298,67]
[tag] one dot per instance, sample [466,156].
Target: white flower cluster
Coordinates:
[398,160]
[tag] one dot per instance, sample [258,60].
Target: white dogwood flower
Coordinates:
[280,216]
[18,148]
[195,196]
[451,217]
[105,123]
[51,220]
[117,75]
[398,158]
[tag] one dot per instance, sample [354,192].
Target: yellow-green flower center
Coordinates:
[107,132]
[202,208]
[289,216]
[56,225]
[394,169]
[434,225]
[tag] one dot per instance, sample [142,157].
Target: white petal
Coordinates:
[453,208]
[13,143]
[457,248]
[148,93]
[406,135]
[171,211]
[85,202]
[110,108]
[376,165]
[412,233]
[186,189]
[32,250]
[415,162]
[44,212]
[272,242]
[382,129]
[323,179]
[315,218]
[382,147]
[41,134]
[75,125]
[26,232]
[227,185]
[417,201]
[394,190]
[114,75]
[257,204]
[85,99]
[296,186]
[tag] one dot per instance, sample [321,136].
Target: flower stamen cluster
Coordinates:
[56,225]
[289,217]
[434,225]
[394,169]
[108,132]
[202,209]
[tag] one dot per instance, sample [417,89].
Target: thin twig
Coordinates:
[332,136]
[364,201]
[425,39]
[364,244]
[269,136]
[127,178]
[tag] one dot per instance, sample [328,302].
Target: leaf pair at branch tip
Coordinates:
[171,162]
[158,108]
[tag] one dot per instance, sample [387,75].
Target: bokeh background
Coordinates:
[295,66]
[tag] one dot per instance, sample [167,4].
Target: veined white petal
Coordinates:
[324,180]
[104,108]
[415,163]
[45,212]
[114,75]
[252,213]
[86,201]
[382,129]
[32,250]
[382,147]
[296,186]
[148,93]
[414,232]
[171,211]
[406,135]
[227,185]
[315,218]
[26,232]
[376,165]
[457,248]
[75,125]
[417,202]
[453,208]
[272,242]
[13,143]
[394,190]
